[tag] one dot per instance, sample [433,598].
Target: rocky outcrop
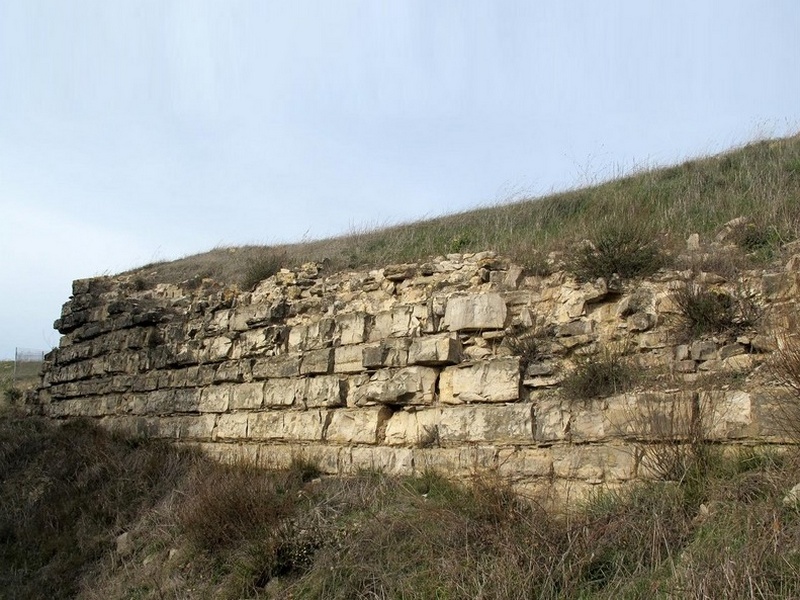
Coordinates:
[455,365]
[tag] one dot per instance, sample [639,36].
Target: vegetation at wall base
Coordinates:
[90,515]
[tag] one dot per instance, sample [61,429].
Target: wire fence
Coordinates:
[27,363]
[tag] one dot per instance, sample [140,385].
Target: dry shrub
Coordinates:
[600,375]
[704,311]
[784,365]
[621,250]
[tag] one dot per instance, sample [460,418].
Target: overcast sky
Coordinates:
[137,130]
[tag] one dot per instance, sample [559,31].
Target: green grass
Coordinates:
[202,530]
[760,181]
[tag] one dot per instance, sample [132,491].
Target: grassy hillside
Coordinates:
[760,181]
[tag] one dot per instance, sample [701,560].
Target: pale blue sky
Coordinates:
[136,130]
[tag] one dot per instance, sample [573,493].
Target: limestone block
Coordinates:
[249,315]
[654,339]
[552,420]
[289,425]
[523,463]
[233,371]
[173,401]
[413,428]
[283,392]
[409,385]
[435,350]
[397,322]
[313,336]
[511,423]
[351,328]
[387,353]
[349,359]
[455,462]
[356,426]
[217,349]
[392,461]
[317,362]
[640,321]
[281,456]
[215,399]
[282,365]
[594,464]
[181,428]
[728,415]
[249,343]
[247,396]
[325,390]
[475,312]
[231,426]
[493,380]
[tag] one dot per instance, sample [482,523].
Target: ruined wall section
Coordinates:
[411,367]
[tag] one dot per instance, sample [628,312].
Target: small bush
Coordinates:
[620,251]
[705,311]
[259,268]
[527,344]
[599,376]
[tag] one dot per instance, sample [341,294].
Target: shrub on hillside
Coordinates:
[617,250]
[705,311]
[600,375]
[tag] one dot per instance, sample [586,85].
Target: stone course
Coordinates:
[409,368]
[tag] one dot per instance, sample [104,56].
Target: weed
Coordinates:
[705,311]
[599,376]
[260,267]
[527,344]
[617,250]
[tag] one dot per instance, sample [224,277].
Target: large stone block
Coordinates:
[409,385]
[351,328]
[283,365]
[524,463]
[356,426]
[386,354]
[289,425]
[349,359]
[435,350]
[392,461]
[475,312]
[317,362]
[215,399]
[313,336]
[283,392]
[400,321]
[181,428]
[413,428]
[231,426]
[494,380]
[324,390]
[455,462]
[247,396]
[512,423]
[594,464]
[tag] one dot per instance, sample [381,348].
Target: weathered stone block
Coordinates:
[594,464]
[283,392]
[552,418]
[388,353]
[393,461]
[231,426]
[455,462]
[523,463]
[247,396]
[317,362]
[359,426]
[494,380]
[215,399]
[475,312]
[289,425]
[397,322]
[499,424]
[324,390]
[435,350]
[413,428]
[314,336]
[351,328]
[409,385]
[283,365]
[349,359]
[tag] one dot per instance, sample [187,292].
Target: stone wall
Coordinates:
[413,367]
